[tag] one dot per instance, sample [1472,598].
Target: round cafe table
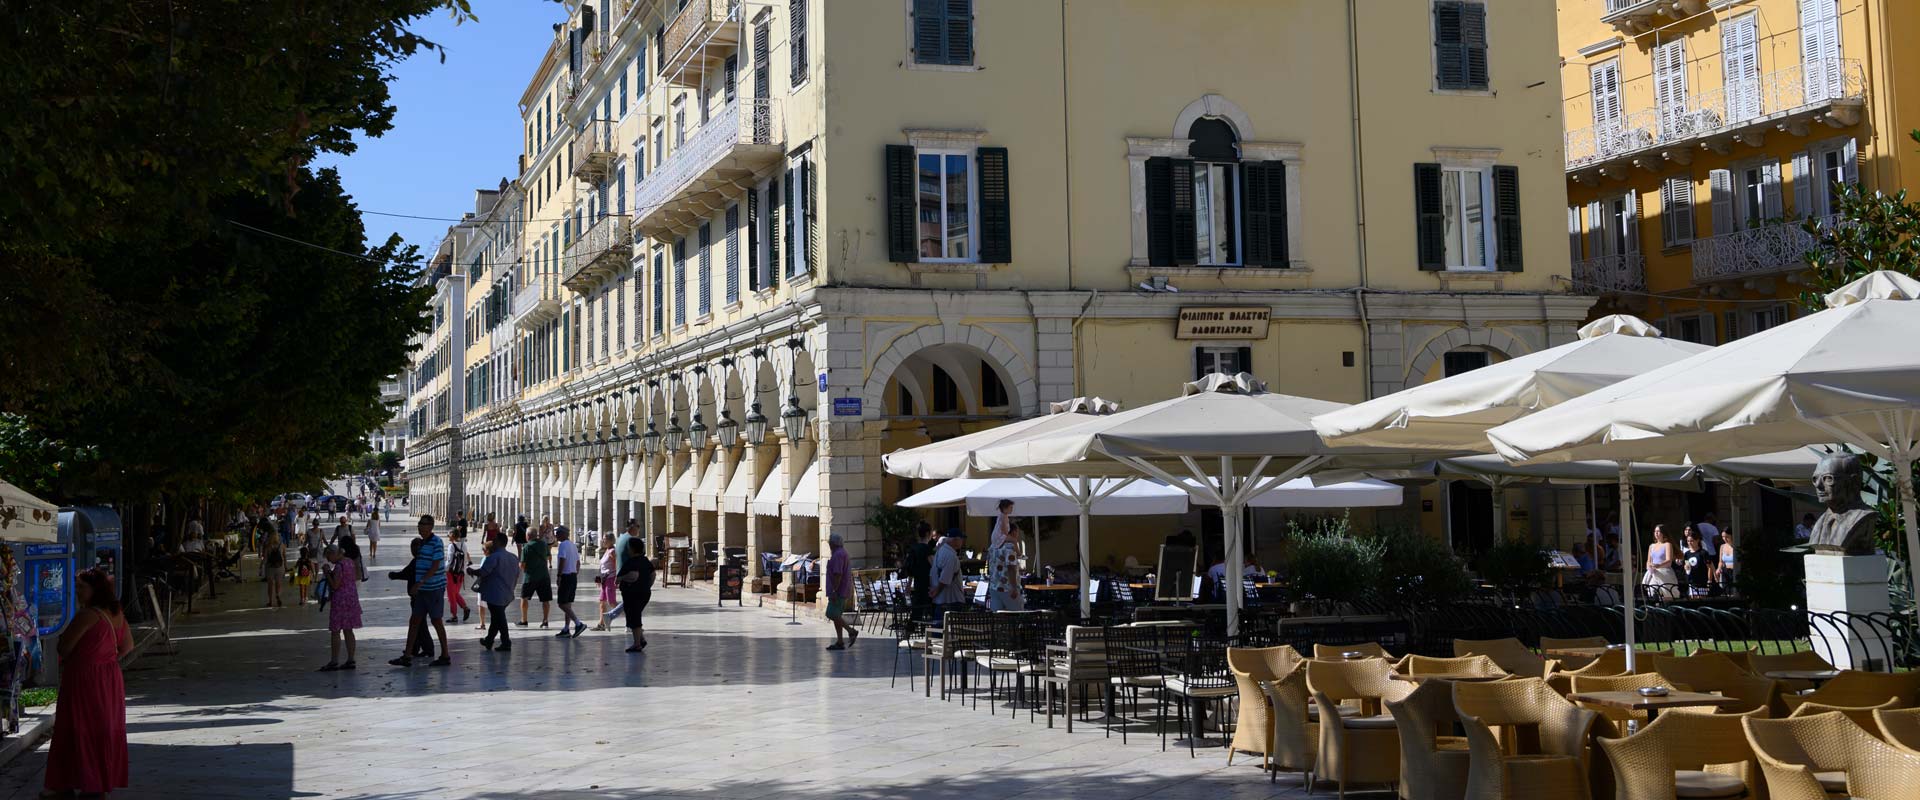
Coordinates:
[1814,676]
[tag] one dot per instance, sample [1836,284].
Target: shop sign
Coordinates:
[846,406]
[1223,322]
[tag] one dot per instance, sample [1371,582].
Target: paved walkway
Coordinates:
[726,703]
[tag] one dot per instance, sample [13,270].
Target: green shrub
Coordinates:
[1419,570]
[1331,564]
[1516,567]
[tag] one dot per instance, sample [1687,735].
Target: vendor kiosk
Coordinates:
[94,532]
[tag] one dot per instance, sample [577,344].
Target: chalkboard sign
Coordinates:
[733,580]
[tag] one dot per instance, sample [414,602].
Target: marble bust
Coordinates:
[1848,525]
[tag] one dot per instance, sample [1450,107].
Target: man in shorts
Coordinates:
[839,587]
[429,593]
[567,560]
[536,579]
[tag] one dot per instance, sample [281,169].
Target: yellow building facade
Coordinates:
[1701,133]
[762,243]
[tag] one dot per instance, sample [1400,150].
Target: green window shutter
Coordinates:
[1184,247]
[1473,44]
[797,41]
[1450,54]
[753,240]
[1430,223]
[776,202]
[1506,218]
[929,32]
[1265,199]
[901,227]
[1160,211]
[959,21]
[996,212]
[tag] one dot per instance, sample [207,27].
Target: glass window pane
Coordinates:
[1450,212]
[1475,227]
[1220,209]
[959,245]
[1202,214]
[930,233]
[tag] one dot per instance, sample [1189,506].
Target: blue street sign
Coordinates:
[846,406]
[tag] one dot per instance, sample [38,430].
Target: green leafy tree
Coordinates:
[896,526]
[388,461]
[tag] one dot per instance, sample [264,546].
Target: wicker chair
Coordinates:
[1296,736]
[1433,766]
[1621,683]
[1253,730]
[1509,653]
[1078,664]
[1810,758]
[1339,651]
[1362,748]
[1861,715]
[1670,758]
[1464,665]
[1559,767]
[1612,662]
[1760,664]
[1900,728]
[1854,688]
[1566,663]
[1708,671]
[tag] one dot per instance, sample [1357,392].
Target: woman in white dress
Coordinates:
[1662,581]
[373,534]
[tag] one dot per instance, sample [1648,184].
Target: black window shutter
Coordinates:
[1450,57]
[1244,358]
[1473,44]
[1199,363]
[901,227]
[996,211]
[1265,200]
[959,19]
[797,40]
[1429,222]
[1184,253]
[1160,211]
[1506,218]
[730,74]
[753,240]
[929,31]
[776,206]
[810,182]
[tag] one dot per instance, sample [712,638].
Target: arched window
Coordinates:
[1212,208]
[1216,191]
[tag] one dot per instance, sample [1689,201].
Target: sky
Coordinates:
[457,127]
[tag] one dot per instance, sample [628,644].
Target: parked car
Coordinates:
[330,502]
[297,499]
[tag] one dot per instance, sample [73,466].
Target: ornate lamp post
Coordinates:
[727,432]
[697,435]
[674,434]
[756,427]
[793,419]
[650,441]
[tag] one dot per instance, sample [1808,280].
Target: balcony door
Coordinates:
[1615,224]
[1670,86]
[1740,46]
[1820,49]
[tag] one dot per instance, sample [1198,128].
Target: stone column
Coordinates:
[609,470]
[750,460]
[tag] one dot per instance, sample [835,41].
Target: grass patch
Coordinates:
[38,696]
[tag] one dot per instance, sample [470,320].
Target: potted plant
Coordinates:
[896,526]
[1419,570]
[1331,567]
[1515,567]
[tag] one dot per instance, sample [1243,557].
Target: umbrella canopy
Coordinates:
[1453,414]
[1044,497]
[1306,492]
[952,458]
[25,518]
[1844,374]
[1224,432]
[1786,466]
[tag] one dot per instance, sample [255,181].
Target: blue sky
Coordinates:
[458,124]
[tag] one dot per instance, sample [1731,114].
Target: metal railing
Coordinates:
[593,149]
[1722,110]
[603,250]
[690,25]
[1768,248]
[745,121]
[1625,272]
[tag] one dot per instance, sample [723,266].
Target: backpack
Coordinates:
[457,565]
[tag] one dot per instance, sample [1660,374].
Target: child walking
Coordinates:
[303,575]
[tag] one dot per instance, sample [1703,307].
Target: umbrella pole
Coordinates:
[1903,480]
[1086,546]
[1626,555]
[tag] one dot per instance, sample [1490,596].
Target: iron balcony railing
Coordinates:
[694,37]
[599,254]
[1724,110]
[535,303]
[593,150]
[745,121]
[1779,247]
[1625,272]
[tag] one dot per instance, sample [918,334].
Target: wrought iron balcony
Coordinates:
[709,168]
[535,304]
[1639,16]
[1767,249]
[699,39]
[1789,100]
[1625,272]
[598,255]
[593,151]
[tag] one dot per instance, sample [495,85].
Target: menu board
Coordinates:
[732,579]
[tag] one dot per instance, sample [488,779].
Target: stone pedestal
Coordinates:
[1854,585]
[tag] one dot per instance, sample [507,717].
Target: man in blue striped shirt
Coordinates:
[429,593]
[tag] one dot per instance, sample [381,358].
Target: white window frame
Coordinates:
[1607,109]
[1671,326]
[1490,242]
[1670,208]
[1742,91]
[907,56]
[1433,54]
[1819,187]
[1671,70]
[796,216]
[763,233]
[1234,199]
[1769,193]
[973,204]
[1217,353]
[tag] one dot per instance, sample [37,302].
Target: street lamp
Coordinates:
[650,441]
[674,432]
[697,435]
[756,429]
[793,419]
[728,430]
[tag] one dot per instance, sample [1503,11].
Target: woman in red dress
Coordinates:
[89,753]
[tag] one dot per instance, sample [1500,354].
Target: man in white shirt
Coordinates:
[1709,530]
[567,554]
[1804,530]
[944,578]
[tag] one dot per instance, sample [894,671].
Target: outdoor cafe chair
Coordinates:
[1250,666]
[1133,657]
[1295,737]
[1478,666]
[1568,663]
[1686,755]
[911,637]
[1551,760]
[1861,715]
[1814,758]
[1710,671]
[1364,748]
[963,635]
[1856,688]
[1618,717]
[1806,660]
[1338,651]
[1008,647]
[1611,662]
[1900,727]
[1197,675]
[1433,761]
[1077,663]
[1509,653]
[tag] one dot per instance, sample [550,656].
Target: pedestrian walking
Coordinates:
[945,589]
[520,534]
[608,578]
[496,576]
[342,528]
[428,602]
[303,576]
[373,534]
[492,528]
[636,588]
[416,628]
[839,587]
[567,562]
[344,575]
[457,577]
[273,566]
[89,751]
[535,579]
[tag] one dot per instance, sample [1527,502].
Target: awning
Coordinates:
[28,518]
[806,493]
[549,485]
[588,482]
[683,486]
[624,483]
[658,494]
[772,493]
[706,497]
[739,489]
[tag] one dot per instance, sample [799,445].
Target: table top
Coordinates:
[1445,676]
[1803,674]
[1576,652]
[1057,587]
[1633,700]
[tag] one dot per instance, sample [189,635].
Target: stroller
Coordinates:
[226,563]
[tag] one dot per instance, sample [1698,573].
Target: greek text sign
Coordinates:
[1223,322]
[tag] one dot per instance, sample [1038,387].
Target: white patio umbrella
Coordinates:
[1846,374]
[953,458]
[1201,434]
[1787,466]
[25,518]
[1042,497]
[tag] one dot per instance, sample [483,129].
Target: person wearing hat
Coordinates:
[945,588]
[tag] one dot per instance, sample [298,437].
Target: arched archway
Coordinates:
[962,352]
[1500,344]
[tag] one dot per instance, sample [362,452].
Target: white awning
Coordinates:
[683,486]
[773,492]
[739,489]
[589,486]
[549,485]
[627,481]
[657,495]
[706,497]
[806,493]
